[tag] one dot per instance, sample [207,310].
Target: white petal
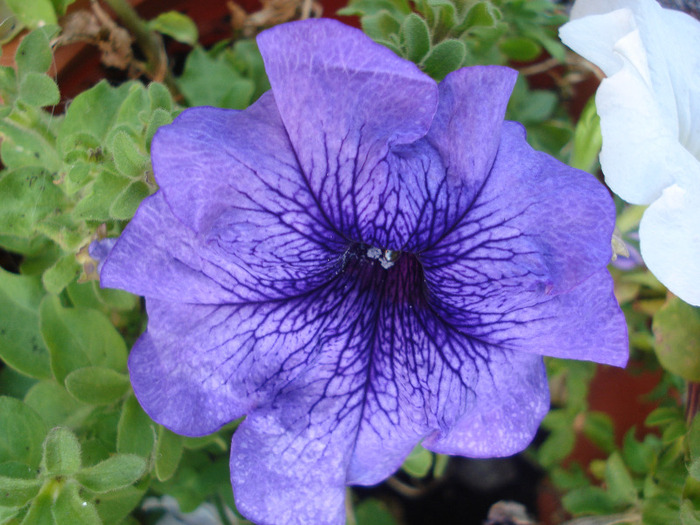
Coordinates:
[670,240]
[650,103]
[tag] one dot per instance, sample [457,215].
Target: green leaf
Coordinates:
[639,457]
[589,500]
[77,338]
[21,432]
[663,415]
[91,295]
[689,515]
[418,462]
[63,272]
[176,25]
[71,509]
[444,58]
[29,195]
[17,492]
[61,453]
[10,25]
[128,158]
[114,506]
[34,52]
[21,345]
[40,510]
[14,384]
[520,48]
[587,139]
[37,89]
[676,327]
[106,189]
[416,36]
[673,431]
[599,428]
[96,385]
[114,473]
[480,14]
[208,81]
[556,447]
[380,26]
[93,113]
[135,433]
[61,5]
[55,405]
[23,146]
[619,481]
[160,117]
[373,512]
[160,97]
[127,202]
[168,453]
[33,13]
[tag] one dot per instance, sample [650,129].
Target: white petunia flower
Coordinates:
[649,107]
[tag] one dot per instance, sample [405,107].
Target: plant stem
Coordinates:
[149,41]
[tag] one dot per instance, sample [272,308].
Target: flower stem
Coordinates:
[149,41]
[692,401]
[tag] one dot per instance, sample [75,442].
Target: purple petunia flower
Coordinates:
[360,261]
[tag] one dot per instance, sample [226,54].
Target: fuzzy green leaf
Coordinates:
[55,405]
[599,428]
[18,492]
[587,138]
[520,48]
[128,158]
[160,97]
[29,195]
[34,51]
[37,89]
[61,453]
[96,385]
[381,26]
[40,510]
[93,113]
[135,433]
[176,25]
[676,328]
[444,58]
[71,509]
[21,432]
[64,271]
[114,473]
[77,338]
[22,146]
[619,481]
[209,81]
[416,36]
[21,345]
[168,453]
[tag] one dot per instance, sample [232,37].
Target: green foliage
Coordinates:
[677,330]
[176,25]
[225,76]
[76,447]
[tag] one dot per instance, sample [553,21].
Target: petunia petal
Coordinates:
[512,398]
[344,101]
[670,241]
[232,179]
[534,224]
[170,266]
[650,102]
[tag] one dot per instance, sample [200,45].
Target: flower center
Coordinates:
[386,258]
